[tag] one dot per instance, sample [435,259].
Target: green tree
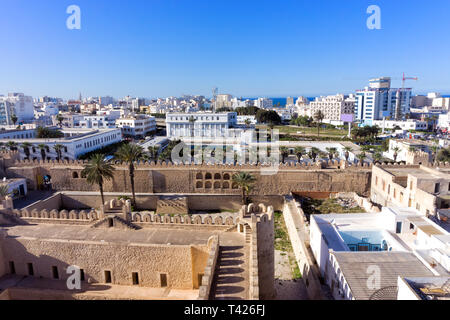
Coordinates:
[4,191]
[347,152]
[331,152]
[153,150]
[26,149]
[14,119]
[299,152]
[58,149]
[60,119]
[396,150]
[318,118]
[443,155]
[130,153]
[361,156]
[377,157]
[313,153]
[42,147]
[12,145]
[97,171]
[245,182]
[284,151]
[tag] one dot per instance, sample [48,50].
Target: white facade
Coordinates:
[380,100]
[137,126]
[409,124]
[333,107]
[76,142]
[264,103]
[210,125]
[18,104]
[403,148]
[444,121]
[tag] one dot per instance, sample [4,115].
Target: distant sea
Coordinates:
[281,101]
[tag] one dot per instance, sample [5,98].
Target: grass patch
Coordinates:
[327,206]
[283,244]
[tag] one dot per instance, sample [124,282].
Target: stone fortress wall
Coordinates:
[331,176]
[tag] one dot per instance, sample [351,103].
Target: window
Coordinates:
[163,279]
[411,226]
[135,277]
[12,267]
[55,272]
[436,188]
[30,269]
[82,274]
[107,276]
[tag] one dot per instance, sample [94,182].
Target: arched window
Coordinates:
[217,176]
[75,175]
[208,176]
[235,186]
[217,185]
[199,185]
[208,185]
[226,185]
[199,176]
[226,176]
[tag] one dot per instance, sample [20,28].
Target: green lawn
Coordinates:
[307,131]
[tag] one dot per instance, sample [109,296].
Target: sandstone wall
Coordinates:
[121,259]
[211,179]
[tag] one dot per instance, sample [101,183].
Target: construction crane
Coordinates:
[399,97]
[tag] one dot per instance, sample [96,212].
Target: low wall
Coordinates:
[53,202]
[253,266]
[208,275]
[303,255]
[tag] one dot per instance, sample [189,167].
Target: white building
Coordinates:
[241,120]
[404,146]
[223,101]
[333,107]
[200,125]
[349,248]
[75,142]
[137,126]
[264,103]
[17,104]
[409,124]
[379,101]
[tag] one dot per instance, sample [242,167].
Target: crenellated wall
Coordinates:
[332,176]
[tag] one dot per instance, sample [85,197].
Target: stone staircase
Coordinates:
[118,222]
[231,277]
[248,234]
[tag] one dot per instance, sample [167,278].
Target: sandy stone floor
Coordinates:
[287,287]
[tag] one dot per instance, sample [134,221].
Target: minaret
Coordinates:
[80,98]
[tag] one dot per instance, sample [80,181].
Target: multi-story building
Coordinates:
[333,107]
[16,104]
[264,103]
[75,142]
[210,125]
[409,124]
[224,101]
[137,126]
[380,101]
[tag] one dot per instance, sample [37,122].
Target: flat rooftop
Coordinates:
[154,235]
[354,266]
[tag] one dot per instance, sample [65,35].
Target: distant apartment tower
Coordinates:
[17,104]
[333,107]
[380,101]
[289,101]
[264,103]
[224,101]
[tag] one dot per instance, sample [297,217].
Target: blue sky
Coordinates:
[246,48]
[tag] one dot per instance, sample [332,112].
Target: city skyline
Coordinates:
[251,49]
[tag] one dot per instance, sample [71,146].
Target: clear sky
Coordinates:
[157,48]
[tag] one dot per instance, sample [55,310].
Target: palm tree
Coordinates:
[396,150]
[26,149]
[4,191]
[247,123]
[434,150]
[347,152]
[318,117]
[331,152]
[299,151]
[60,119]
[14,119]
[12,145]
[58,149]
[361,156]
[130,153]
[97,170]
[43,148]
[153,150]
[245,181]
[284,151]
[313,153]
[377,157]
